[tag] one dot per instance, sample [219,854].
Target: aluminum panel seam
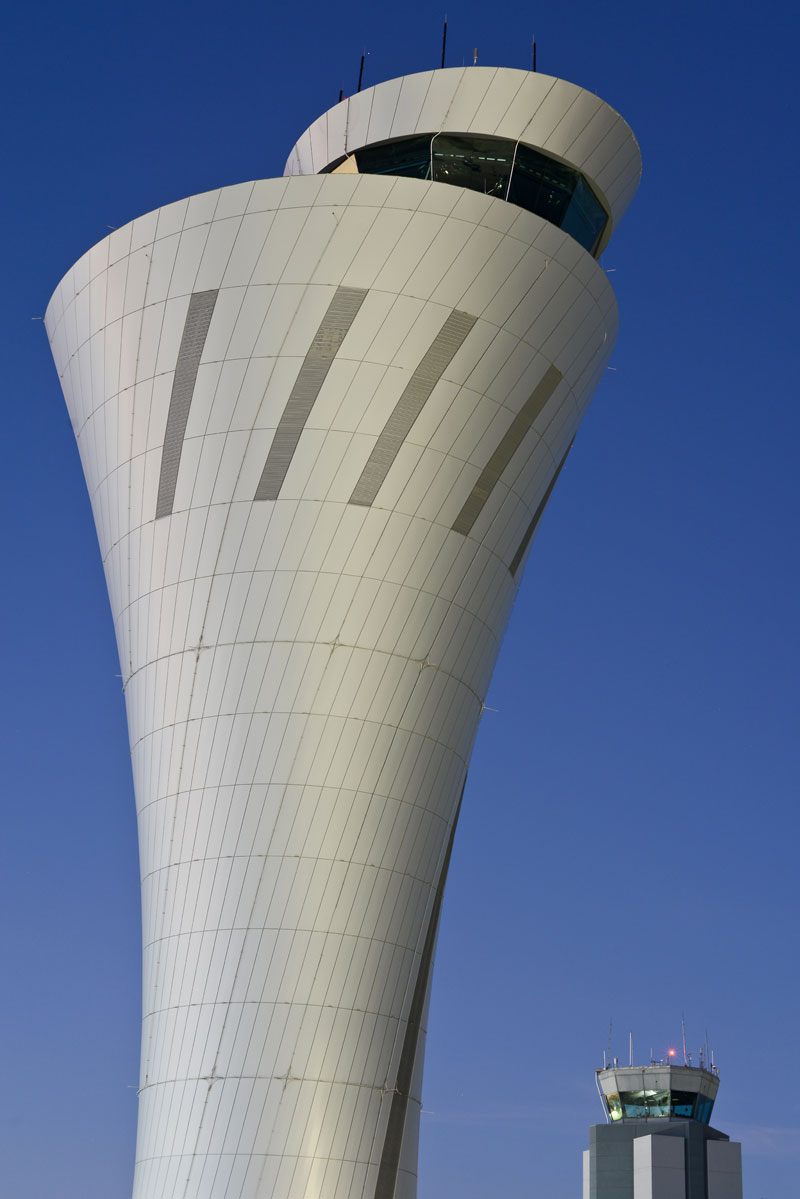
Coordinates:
[415,396]
[195,331]
[507,447]
[537,516]
[335,324]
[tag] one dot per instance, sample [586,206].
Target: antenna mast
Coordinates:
[444,37]
[683,1030]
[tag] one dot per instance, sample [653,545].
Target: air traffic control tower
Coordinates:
[320,417]
[658,1142]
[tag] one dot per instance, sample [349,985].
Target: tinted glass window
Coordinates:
[683,1104]
[543,185]
[585,218]
[408,156]
[640,1105]
[634,1105]
[657,1103]
[480,163]
[497,167]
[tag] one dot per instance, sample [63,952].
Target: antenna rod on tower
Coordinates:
[533,52]
[683,1030]
[341,94]
[361,71]
[444,37]
[475,57]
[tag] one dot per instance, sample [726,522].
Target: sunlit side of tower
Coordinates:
[320,418]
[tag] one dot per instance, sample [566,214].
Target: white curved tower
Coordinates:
[320,417]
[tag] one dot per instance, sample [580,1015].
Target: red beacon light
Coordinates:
[671,1052]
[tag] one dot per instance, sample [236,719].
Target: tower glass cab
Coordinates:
[659,1092]
[495,166]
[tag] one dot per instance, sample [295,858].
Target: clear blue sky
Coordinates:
[629,840]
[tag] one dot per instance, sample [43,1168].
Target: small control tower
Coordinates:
[658,1142]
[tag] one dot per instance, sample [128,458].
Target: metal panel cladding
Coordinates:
[319,418]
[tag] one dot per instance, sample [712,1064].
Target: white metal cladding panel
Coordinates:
[353,683]
[413,90]
[381,111]
[304,677]
[554,313]
[538,110]
[374,828]
[291,607]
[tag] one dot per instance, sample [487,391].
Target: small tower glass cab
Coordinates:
[658,1092]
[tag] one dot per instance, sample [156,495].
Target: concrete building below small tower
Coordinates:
[658,1142]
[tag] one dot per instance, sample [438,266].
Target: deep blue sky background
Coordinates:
[629,841]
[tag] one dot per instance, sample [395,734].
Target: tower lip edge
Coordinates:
[53,315]
[482,100]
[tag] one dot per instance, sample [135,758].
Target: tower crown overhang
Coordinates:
[563,121]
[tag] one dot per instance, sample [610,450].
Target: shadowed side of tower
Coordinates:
[319,419]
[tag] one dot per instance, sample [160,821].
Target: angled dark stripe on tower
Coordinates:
[537,516]
[195,331]
[395,1128]
[333,328]
[508,446]
[415,396]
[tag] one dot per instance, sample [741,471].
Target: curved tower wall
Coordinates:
[549,114]
[319,418]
